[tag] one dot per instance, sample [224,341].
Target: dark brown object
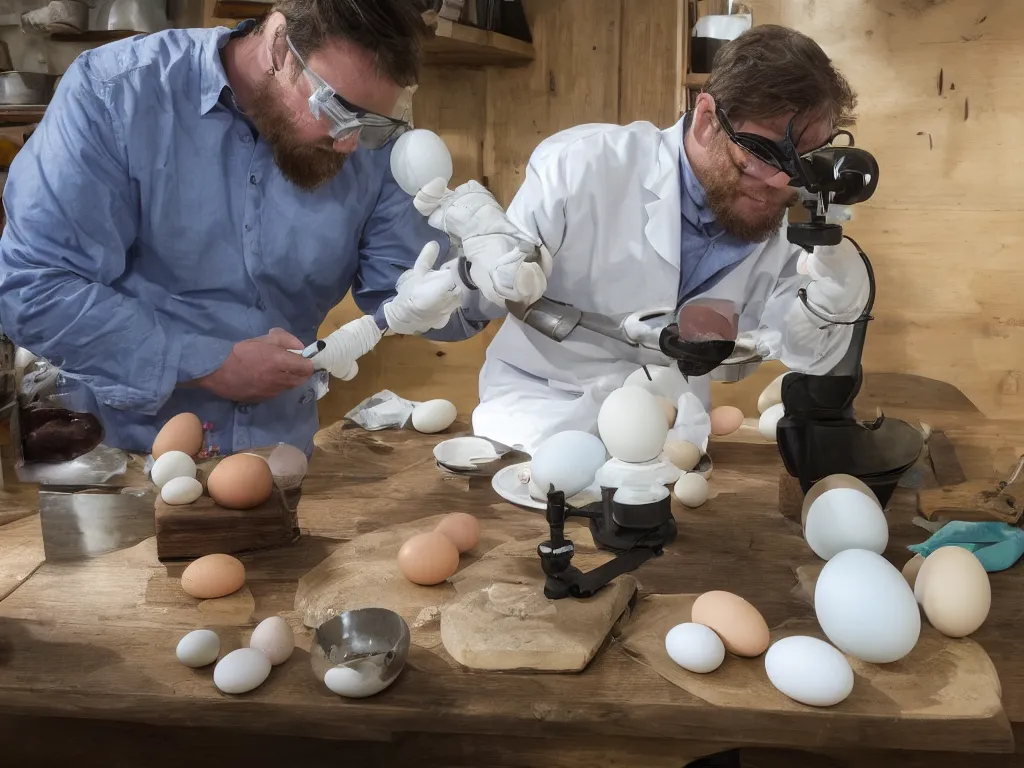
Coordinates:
[791,498]
[945,464]
[984,500]
[57,434]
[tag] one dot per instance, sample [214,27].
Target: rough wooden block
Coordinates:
[791,497]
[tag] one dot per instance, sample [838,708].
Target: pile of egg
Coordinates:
[432,557]
[243,669]
[241,481]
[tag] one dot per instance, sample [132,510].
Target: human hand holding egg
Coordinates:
[259,369]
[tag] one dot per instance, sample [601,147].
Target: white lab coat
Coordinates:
[605,200]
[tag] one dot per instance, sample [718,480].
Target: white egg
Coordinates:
[348,682]
[198,648]
[809,670]
[241,670]
[664,381]
[632,425]
[274,637]
[691,489]
[866,608]
[772,394]
[768,424]
[433,416]
[171,465]
[695,647]
[181,490]
[568,461]
[420,156]
[845,518]
[288,465]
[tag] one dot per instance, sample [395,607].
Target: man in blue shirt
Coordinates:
[194,203]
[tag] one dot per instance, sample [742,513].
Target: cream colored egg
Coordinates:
[668,408]
[957,594]
[632,425]
[725,419]
[772,394]
[274,637]
[768,424]
[682,454]
[433,416]
[912,569]
[691,489]
[181,490]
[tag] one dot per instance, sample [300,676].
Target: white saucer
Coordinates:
[506,483]
[464,453]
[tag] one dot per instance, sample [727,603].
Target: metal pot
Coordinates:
[145,16]
[26,88]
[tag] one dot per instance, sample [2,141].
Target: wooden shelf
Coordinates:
[22,114]
[451,44]
[696,80]
[461,45]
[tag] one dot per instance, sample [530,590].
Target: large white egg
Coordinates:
[809,670]
[568,461]
[170,465]
[695,647]
[241,671]
[420,156]
[865,607]
[665,381]
[768,424]
[845,518]
[632,425]
[198,648]
[433,416]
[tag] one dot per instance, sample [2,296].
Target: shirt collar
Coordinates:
[694,198]
[213,78]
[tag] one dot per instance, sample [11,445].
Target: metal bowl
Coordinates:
[144,16]
[26,88]
[361,652]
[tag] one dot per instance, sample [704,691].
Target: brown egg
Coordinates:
[740,625]
[182,433]
[213,576]
[669,409]
[242,481]
[827,484]
[912,568]
[428,558]
[725,419]
[463,529]
[682,454]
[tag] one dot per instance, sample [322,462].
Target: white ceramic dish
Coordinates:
[464,453]
[509,486]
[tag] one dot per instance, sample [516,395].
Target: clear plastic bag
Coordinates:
[385,410]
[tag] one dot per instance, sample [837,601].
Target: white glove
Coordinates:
[346,345]
[839,284]
[426,298]
[497,251]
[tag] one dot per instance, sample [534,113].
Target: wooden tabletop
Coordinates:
[96,639]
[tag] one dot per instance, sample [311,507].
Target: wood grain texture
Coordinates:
[649,59]
[96,639]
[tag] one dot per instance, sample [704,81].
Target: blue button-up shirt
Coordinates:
[709,253]
[149,230]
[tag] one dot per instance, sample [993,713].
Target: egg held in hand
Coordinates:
[428,558]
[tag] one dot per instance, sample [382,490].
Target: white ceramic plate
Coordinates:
[506,483]
[464,453]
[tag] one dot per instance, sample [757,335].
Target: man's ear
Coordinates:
[278,44]
[705,124]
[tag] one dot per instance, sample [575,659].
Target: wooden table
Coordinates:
[87,667]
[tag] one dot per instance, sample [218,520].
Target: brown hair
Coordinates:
[770,71]
[392,30]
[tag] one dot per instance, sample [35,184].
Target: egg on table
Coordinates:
[428,558]
[740,625]
[695,647]
[809,670]
[288,466]
[274,637]
[462,528]
[241,481]
[866,608]
[845,518]
[911,569]
[241,671]
[170,465]
[567,461]
[213,576]
[433,416]
[632,425]
[183,432]
[682,454]
[198,648]
[181,490]
[691,489]
[725,419]
[768,424]
[955,592]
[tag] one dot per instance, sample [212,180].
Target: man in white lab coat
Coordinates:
[633,217]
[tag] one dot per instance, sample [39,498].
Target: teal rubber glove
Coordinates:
[996,545]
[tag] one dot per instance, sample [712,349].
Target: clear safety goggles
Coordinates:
[346,119]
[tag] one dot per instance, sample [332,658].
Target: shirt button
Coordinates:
[252,179]
[248,227]
[244,409]
[245,137]
[260,305]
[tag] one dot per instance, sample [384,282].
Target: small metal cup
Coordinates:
[372,641]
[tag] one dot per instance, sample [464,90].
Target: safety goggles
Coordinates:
[346,119]
[775,156]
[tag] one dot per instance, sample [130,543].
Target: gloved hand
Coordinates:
[839,281]
[345,346]
[426,298]
[505,264]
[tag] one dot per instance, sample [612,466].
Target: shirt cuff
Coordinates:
[201,356]
[379,317]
